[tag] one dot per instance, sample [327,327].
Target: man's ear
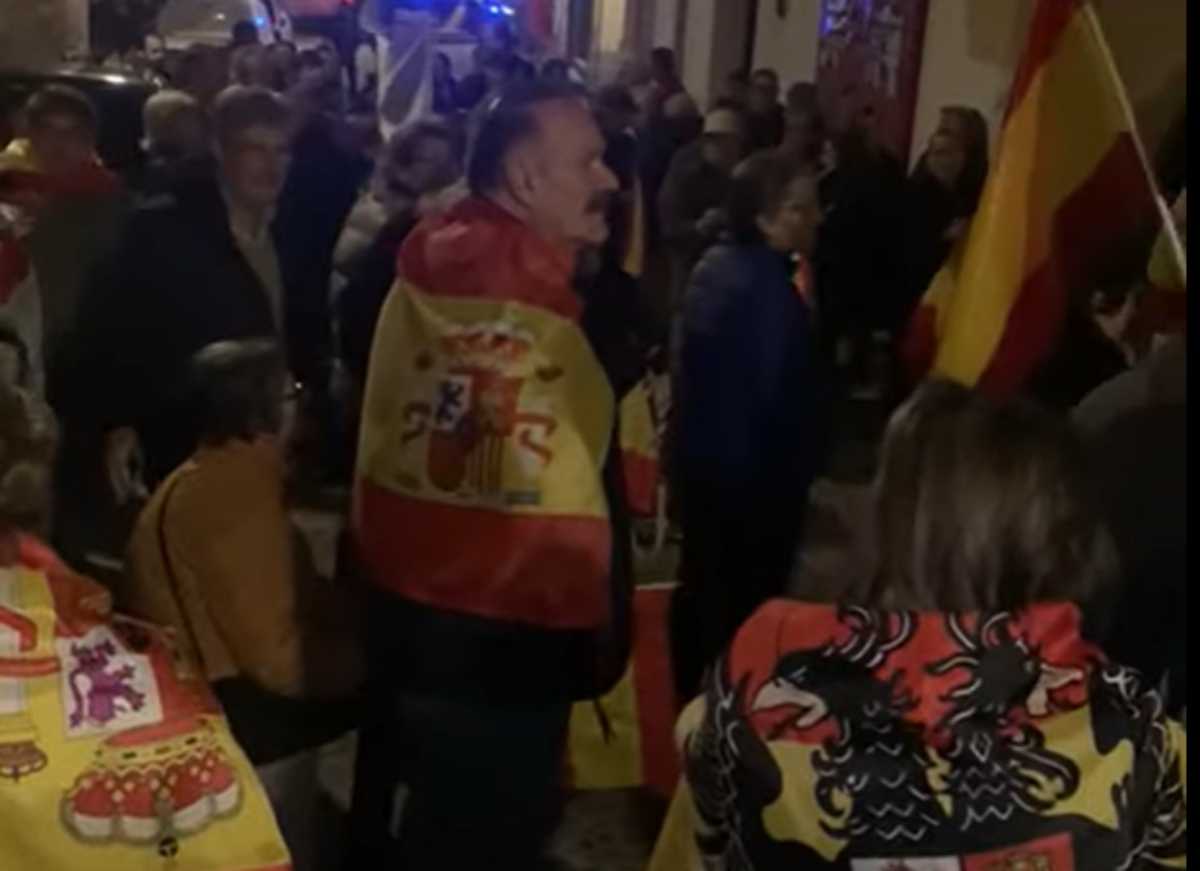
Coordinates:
[521,174]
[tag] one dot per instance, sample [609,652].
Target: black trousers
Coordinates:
[482,783]
[739,544]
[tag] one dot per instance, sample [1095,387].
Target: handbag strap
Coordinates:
[173,580]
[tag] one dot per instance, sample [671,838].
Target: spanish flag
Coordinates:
[24,186]
[114,754]
[1068,185]
[486,422]
[626,738]
[639,449]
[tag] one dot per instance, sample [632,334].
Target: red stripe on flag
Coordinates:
[641,482]
[1050,19]
[655,691]
[1100,216]
[542,569]
[918,345]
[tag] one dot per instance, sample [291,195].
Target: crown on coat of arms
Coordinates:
[496,345]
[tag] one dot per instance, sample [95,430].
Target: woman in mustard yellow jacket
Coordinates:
[215,557]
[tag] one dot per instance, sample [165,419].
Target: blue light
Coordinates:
[508,10]
[259,21]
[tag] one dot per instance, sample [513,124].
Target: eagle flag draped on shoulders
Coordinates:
[839,737]
[1067,187]
[486,422]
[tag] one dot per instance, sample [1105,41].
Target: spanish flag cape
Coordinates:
[1069,186]
[841,737]
[24,185]
[486,423]
[114,756]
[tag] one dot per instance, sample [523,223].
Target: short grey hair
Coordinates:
[240,107]
[165,115]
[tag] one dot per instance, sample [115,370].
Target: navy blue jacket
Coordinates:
[750,394]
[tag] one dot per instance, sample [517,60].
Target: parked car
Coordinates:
[118,98]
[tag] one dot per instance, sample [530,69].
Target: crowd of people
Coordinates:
[447,323]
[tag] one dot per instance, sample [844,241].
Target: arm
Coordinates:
[284,629]
[245,565]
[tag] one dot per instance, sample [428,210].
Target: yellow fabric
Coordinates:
[635,250]
[40,822]
[612,759]
[638,434]
[430,349]
[1163,270]
[675,849]
[233,602]
[1055,138]
[18,155]
[795,816]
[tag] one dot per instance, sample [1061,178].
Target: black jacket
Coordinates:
[322,185]
[175,283]
[361,300]
[751,401]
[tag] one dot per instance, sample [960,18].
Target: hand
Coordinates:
[123,462]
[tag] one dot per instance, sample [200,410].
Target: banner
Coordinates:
[1067,189]
[626,739]
[114,756]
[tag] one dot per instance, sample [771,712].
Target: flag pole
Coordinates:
[1164,211]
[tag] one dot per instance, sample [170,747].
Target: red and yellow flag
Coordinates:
[626,738]
[1068,184]
[639,449]
[486,423]
[114,754]
[24,188]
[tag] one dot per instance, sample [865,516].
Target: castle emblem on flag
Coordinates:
[488,435]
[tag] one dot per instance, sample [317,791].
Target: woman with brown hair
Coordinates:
[951,713]
[942,195]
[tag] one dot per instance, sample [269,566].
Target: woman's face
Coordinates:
[792,228]
[946,158]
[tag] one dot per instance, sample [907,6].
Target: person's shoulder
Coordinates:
[201,490]
[721,262]
[181,204]
[477,250]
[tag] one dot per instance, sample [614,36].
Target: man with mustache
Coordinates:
[488,509]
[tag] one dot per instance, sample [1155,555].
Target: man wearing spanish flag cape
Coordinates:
[488,510]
